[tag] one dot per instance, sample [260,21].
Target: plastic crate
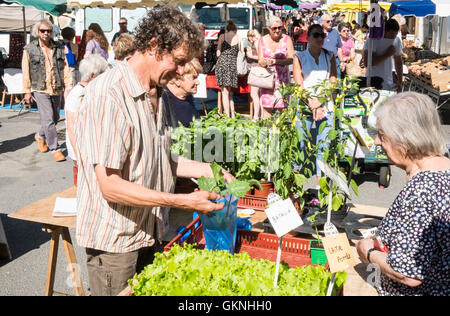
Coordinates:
[258,245]
[257,203]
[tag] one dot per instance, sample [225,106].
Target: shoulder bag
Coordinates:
[261,77]
[241,61]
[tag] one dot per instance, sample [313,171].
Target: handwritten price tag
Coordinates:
[283,216]
[339,253]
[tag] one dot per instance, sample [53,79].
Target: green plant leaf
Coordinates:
[238,188]
[299,179]
[323,185]
[354,186]
[207,184]
[336,202]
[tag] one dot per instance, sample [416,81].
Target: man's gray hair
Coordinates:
[410,120]
[92,65]
[35,29]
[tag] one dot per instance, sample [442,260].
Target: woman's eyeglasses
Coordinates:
[276,28]
[319,34]
[46,31]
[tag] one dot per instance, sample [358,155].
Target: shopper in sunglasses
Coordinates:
[311,67]
[46,74]
[123,29]
[275,52]
[333,42]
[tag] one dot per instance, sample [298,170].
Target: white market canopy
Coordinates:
[11,19]
[132,4]
[442,7]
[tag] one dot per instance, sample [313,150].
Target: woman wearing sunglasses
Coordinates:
[311,67]
[348,46]
[275,51]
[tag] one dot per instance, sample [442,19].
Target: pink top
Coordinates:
[271,98]
[347,47]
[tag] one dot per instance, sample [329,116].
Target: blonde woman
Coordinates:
[253,37]
[178,93]
[123,46]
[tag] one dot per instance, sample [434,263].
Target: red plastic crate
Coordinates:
[258,245]
[257,203]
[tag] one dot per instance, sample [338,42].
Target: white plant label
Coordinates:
[283,216]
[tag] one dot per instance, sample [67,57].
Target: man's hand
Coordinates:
[28,98]
[201,201]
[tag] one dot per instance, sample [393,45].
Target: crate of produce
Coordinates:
[258,245]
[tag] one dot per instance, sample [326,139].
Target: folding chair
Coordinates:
[13,82]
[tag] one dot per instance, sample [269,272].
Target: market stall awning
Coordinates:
[132,4]
[11,19]
[355,6]
[129,4]
[54,7]
[309,6]
[418,8]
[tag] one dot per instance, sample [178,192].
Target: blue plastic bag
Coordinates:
[219,227]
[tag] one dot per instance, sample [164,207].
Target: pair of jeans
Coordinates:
[316,137]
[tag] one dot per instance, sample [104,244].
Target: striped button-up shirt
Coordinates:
[116,127]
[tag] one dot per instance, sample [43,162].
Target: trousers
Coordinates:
[48,107]
[109,272]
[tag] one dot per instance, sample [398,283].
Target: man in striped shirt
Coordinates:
[126,175]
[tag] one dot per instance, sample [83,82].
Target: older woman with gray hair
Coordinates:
[275,52]
[416,229]
[90,67]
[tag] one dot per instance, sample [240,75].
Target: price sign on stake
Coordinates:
[339,253]
[284,217]
[333,175]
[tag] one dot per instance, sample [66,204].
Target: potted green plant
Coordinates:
[294,160]
[333,152]
[316,250]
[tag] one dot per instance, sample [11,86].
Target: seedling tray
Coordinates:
[258,245]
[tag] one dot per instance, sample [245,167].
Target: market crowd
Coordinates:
[119,119]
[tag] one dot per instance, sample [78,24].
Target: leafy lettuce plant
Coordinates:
[186,271]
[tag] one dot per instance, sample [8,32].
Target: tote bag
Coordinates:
[261,77]
[241,61]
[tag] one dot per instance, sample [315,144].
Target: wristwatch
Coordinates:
[369,252]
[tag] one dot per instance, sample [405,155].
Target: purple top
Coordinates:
[94,47]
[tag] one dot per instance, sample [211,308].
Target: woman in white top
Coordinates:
[311,67]
[252,55]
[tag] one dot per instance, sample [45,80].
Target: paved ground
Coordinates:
[26,175]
